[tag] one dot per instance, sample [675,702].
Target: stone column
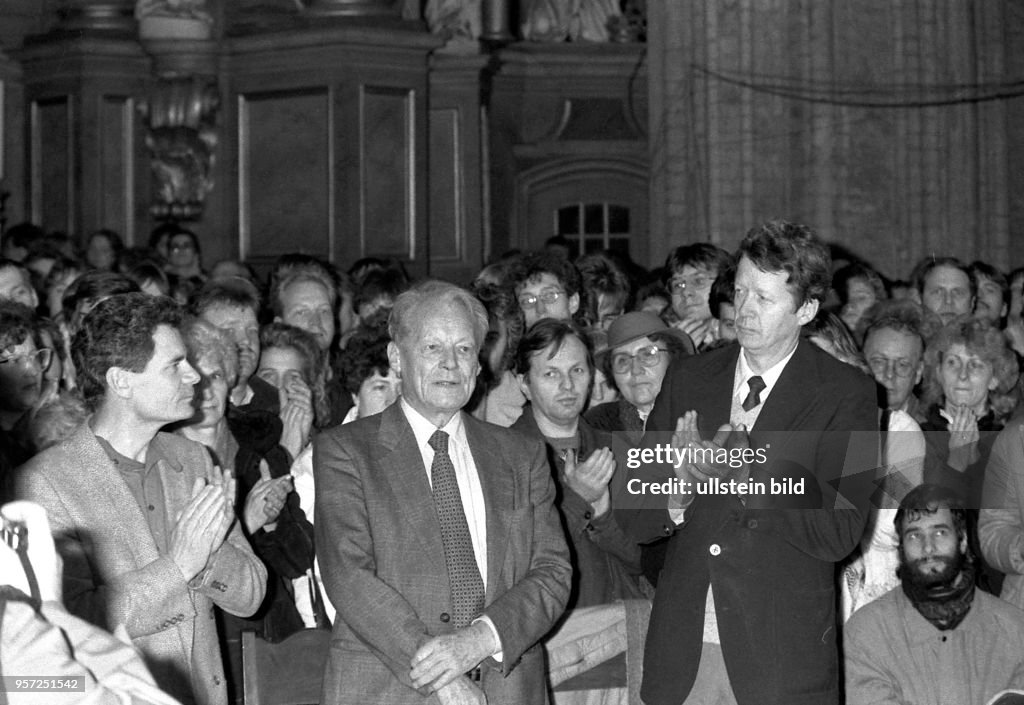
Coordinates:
[496,21]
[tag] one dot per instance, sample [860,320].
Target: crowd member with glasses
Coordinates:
[895,333]
[970,379]
[690,270]
[21,384]
[547,287]
[640,349]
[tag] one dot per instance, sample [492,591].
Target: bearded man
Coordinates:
[935,639]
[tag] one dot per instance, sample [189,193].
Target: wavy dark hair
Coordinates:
[779,246]
[118,332]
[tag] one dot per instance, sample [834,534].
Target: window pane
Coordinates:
[592,245]
[593,218]
[619,245]
[618,219]
[568,220]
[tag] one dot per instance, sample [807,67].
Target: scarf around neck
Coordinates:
[945,606]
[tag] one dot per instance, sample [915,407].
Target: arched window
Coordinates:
[592,227]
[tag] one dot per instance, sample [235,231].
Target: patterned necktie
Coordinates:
[757,386]
[463,572]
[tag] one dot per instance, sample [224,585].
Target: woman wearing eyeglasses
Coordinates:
[640,348]
[970,378]
[21,383]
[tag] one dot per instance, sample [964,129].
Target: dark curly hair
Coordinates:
[118,332]
[779,246]
[365,354]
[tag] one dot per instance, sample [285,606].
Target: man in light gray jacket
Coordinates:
[143,520]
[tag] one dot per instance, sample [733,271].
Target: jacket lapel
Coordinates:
[794,393]
[708,396]
[498,485]
[97,477]
[403,463]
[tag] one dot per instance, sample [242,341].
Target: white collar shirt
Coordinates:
[466,475]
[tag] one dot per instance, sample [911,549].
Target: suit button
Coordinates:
[667,530]
[588,514]
[752,524]
[445,617]
[715,549]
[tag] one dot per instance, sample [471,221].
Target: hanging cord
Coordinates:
[833,94]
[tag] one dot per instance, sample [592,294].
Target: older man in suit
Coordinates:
[143,520]
[438,538]
[744,611]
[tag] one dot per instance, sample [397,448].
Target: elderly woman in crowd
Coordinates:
[21,383]
[970,379]
[270,512]
[640,349]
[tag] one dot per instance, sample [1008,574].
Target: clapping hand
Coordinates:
[203,524]
[590,478]
[296,415]
[265,500]
[698,464]
[963,438]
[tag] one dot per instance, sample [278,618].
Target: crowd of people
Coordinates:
[797,480]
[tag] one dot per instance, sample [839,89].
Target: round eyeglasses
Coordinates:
[40,358]
[646,356]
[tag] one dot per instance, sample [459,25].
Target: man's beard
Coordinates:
[952,566]
[942,597]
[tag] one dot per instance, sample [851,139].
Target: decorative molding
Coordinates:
[181,136]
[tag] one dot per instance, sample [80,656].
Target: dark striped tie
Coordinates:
[463,572]
[757,386]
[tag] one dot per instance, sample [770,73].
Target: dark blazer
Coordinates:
[771,560]
[379,545]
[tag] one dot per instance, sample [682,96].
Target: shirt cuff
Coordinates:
[499,654]
[677,507]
